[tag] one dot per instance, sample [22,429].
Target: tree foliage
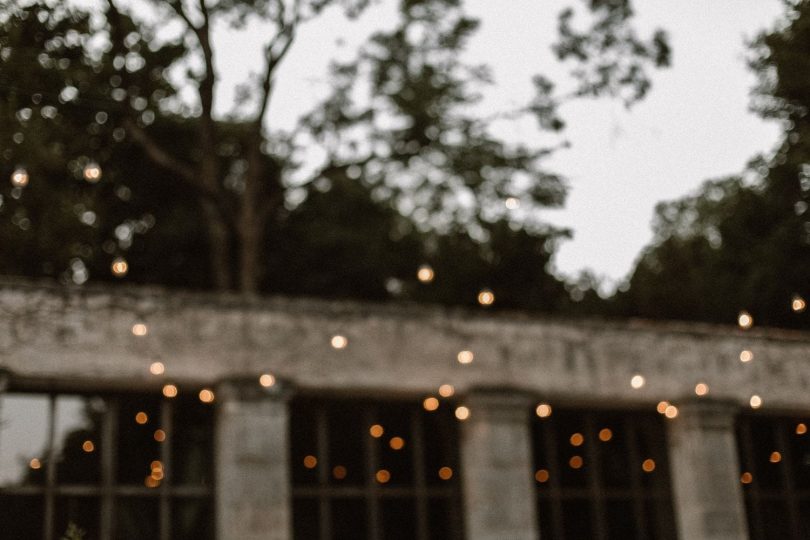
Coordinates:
[408,171]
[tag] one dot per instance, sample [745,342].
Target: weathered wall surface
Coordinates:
[47,333]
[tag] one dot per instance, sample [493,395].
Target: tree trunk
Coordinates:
[219,241]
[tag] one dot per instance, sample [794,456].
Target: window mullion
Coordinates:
[166,457]
[109,429]
[635,476]
[322,449]
[418,451]
[598,516]
[50,471]
[787,477]
[373,509]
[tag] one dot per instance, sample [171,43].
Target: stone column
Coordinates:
[497,465]
[706,473]
[253,492]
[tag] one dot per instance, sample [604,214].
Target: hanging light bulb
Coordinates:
[119,267]
[486,297]
[92,172]
[798,304]
[19,178]
[425,273]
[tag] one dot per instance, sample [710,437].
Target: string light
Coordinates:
[267,380]
[746,478]
[465,357]
[755,402]
[445,473]
[541,476]
[157,368]
[701,389]
[648,465]
[376,431]
[159,435]
[19,178]
[383,476]
[447,390]
[462,413]
[425,274]
[746,356]
[396,443]
[637,381]
[605,434]
[576,439]
[543,410]
[119,267]
[662,407]
[92,172]
[512,203]
[339,472]
[206,395]
[801,429]
[170,391]
[745,320]
[35,464]
[310,462]
[139,329]
[339,342]
[430,403]
[88,446]
[798,304]
[671,412]
[575,462]
[141,418]
[776,457]
[486,297]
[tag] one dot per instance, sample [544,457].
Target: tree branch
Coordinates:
[286,34]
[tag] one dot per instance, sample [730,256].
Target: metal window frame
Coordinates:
[595,491]
[420,491]
[108,489]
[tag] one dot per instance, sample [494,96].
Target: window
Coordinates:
[775,462]
[602,475]
[122,467]
[372,470]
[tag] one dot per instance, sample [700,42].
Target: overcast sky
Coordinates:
[693,126]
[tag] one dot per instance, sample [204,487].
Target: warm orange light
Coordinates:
[462,413]
[170,391]
[671,412]
[339,472]
[576,439]
[746,478]
[541,476]
[88,446]
[383,476]
[159,435]
[801,429]
[755,402]
[465,357]
[310,462]
[798,304]
[637,381]
[157,474]
[425,274]
[141,418]
[151,482]
[339,342]
[701,389]
[745,320]
[206,395]
[396,443]
[156,465]
[376,431]
[139,329]
[776,457]
[267,380]
[605,434]
[575,462]
[445,473]
[19,178]
[662,407]
[648,466]
[119,267]
[157,368]
[92,172]
[543,410]
[746,356]
[486,297]
[447,390]
[430,403]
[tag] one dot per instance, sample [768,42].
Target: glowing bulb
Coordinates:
[776,457]
[746,478]
[139,329]
[339,342]
[19,178]
[445,473]
[662,407]
[310,462]
[396,443]
[159,435]
[543,410]
[465,357]
[512,203]
[541,476]
[701,389]
[671,412]
[462,413]
[430,404]
[376,431]
[745,320]
[157,368]
[648,466]
[383,476]
[92,172]
[35,464]
[577,439]
[170,391]
[267,380]
[798,304]
[339,472]
[575,462]
[88,446]
[447,390]
[206,395]
[425,274]
[486,297]
[141,418]
[755,402]
[637,381]
[801,429]
[746,356]
[605,434]
[120,267]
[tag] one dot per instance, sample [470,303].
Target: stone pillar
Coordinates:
[496,455]
[706,473]
[253,499]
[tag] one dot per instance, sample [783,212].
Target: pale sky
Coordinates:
[694,124]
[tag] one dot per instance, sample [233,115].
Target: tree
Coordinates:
[414,144]
[743,243]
